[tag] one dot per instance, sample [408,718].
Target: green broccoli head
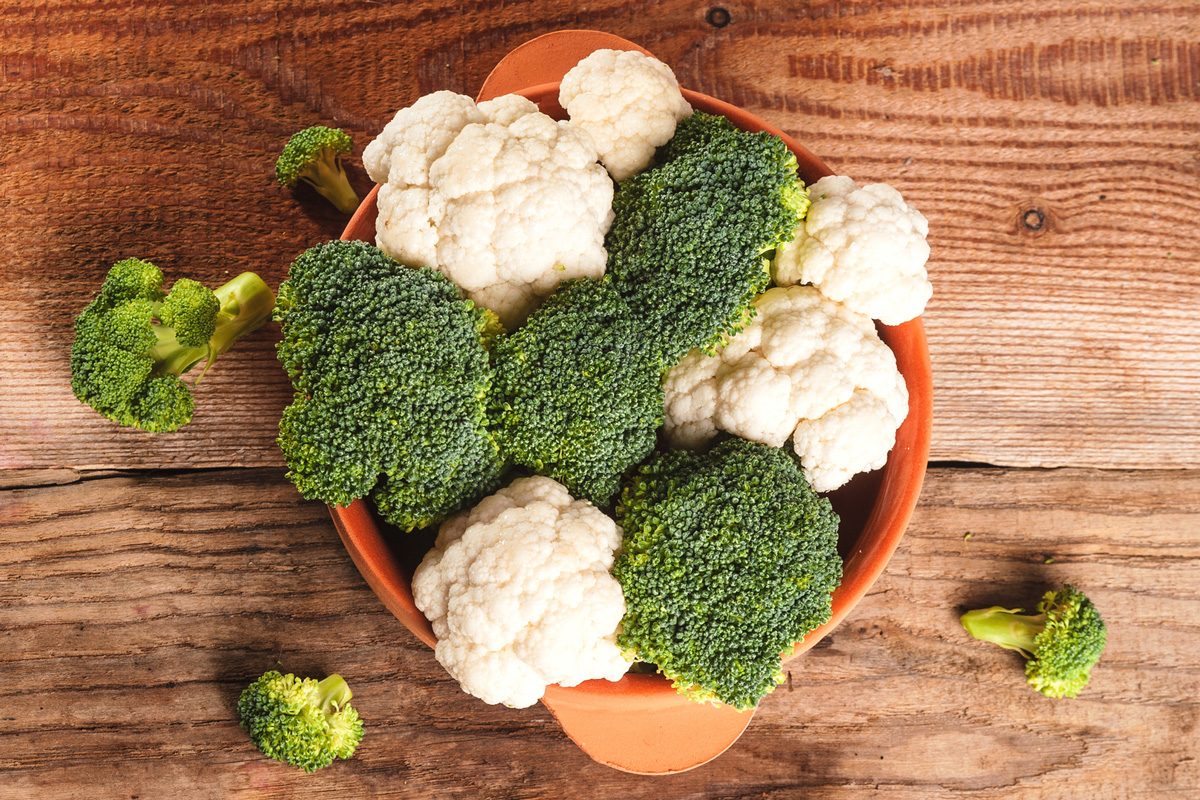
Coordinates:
[132,343]
[300,721]
[131,279]
[314,155]
[578,391]
[190,308]
[391,378]
[729,558]
[688,240]
[1062,642]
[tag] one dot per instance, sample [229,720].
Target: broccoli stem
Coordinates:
[1005,627]
[246,303]
[328,177]
[333,693]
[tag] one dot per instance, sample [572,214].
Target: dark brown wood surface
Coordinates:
[1055,148]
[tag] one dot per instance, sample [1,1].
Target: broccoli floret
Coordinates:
[688,243]
[578,393]
[300,721]
[191,308]
[391,377]
[729,558]
[132,343]
[1062,642]
[314,155]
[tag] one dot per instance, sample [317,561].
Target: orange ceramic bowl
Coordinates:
[640,724]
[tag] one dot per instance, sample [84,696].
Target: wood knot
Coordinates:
[718,17]
[1033,219]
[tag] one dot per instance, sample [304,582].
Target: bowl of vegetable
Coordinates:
[640,723]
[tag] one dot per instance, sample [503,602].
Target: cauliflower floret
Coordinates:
[805,368]
[417,136]
[629,103]
[862,246]
[404,226]
[690,397]
[852,438]
[519,594]
[507,108]
[500,198]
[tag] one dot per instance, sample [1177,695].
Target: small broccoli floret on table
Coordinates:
[729,558]
[132,343]
[301,721]
[688,242]
[391,376]
[578,390]
[314,155]
[1062,642]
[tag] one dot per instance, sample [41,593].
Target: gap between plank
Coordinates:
[17,479]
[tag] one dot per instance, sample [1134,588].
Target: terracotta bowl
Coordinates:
[640,724]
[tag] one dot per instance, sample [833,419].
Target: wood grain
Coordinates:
[132,611]
[1054,146]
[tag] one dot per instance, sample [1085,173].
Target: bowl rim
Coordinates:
[903,473]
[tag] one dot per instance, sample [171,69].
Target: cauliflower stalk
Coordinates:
[862,246]
[502,199]
[628,102]
[519,594]
[805,368]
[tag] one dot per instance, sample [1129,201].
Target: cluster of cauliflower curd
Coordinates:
[811,367]
[508,203]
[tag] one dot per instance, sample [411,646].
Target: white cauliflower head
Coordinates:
[805,368]
[628,102]
[519,594]
[862,246]
[499,197]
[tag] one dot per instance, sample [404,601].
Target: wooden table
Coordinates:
[1055,148]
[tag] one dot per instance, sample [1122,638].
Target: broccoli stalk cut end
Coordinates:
[246,303]
[345,730]
[333,693]
[1062,642]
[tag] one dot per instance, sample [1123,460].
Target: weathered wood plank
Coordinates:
[1052,145]
[132,610]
